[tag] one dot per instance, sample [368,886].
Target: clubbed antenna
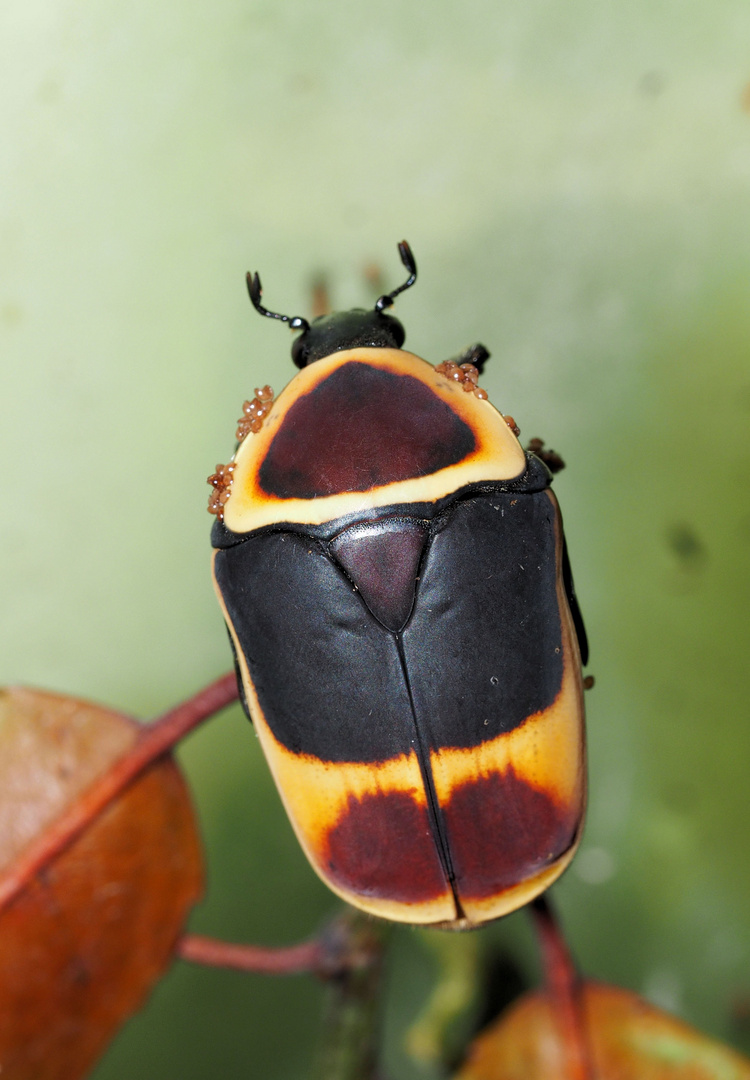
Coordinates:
[409,262]
[255,290]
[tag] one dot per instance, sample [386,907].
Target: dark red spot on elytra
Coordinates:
[502,831]
[382,559]
[360,428]
[382,847]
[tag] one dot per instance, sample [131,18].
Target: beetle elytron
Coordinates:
[392,570]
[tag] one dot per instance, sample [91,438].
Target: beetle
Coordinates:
[392,570]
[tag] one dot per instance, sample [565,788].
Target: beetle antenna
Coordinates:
[407,258]
[255,291]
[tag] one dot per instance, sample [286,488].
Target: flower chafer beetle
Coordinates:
[392,570]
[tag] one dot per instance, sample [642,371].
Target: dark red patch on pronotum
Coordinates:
[502,831]
[360,428]
[382,559]
[382,846]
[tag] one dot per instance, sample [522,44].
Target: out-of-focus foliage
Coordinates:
[628,1039]
[575,182]
[88,936]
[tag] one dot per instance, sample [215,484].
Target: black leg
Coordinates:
[477,355]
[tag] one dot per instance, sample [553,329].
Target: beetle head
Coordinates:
[347,330]
[340,330]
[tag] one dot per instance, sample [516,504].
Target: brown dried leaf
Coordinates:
[87,938]
[629,1039]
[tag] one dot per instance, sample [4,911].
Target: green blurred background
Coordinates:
[575,182]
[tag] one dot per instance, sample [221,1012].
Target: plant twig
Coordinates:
[307,957]
[153,741]
[348,954]
[564,990]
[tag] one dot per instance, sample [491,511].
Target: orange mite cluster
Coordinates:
[254,412]
[463,373]
[221,481]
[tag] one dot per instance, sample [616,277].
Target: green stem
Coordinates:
[351,1021]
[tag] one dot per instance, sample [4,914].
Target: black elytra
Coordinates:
[478,643]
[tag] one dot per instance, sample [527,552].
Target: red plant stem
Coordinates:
[309,956]
[153,741]
[564,989]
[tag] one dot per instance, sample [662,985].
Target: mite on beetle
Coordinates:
[392,569]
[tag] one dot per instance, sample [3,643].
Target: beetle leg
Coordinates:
[478,355]
[321,301]
[238,673]
[575,611]
[551,458]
